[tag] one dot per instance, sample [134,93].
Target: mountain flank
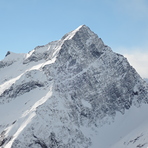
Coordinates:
[72,93]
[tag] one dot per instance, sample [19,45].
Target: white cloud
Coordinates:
[140,62]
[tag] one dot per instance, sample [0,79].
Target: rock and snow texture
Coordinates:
[146,79]
[72,93]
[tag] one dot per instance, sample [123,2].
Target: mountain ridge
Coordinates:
[68,91]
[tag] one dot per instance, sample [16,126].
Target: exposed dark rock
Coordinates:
[88,85]
[15,91]
[7,53]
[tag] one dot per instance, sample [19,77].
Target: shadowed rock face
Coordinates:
[15,91]
[3,64]
[90,84]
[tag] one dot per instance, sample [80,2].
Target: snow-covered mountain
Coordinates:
[72,93]
[146,79]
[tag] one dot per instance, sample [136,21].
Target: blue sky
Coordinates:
[122,24]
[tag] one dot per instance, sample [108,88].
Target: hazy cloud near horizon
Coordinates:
[139,61]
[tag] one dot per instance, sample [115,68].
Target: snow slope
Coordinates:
[72,93]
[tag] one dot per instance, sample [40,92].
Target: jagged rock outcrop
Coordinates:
[67,92]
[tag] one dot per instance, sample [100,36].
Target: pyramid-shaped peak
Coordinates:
[82,27]
[83,30]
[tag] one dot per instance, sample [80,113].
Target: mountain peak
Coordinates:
[82,27]
[74,92]
[83,30]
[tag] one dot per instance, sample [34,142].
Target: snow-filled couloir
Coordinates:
[72,93]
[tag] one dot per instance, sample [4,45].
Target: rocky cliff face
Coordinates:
[67,93]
